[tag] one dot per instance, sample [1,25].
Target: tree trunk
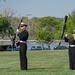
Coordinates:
[49,46]
[42,46]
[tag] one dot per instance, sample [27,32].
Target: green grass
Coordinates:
[42,62]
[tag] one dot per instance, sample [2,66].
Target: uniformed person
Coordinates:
[23,36]
[71,50]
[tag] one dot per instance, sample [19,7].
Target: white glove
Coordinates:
[74,37]
[66,35]
[17,30]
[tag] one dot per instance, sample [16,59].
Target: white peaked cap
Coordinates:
[22,23]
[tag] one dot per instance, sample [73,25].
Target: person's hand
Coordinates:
[66,35]
[74,37]
[17,30]
[17,43]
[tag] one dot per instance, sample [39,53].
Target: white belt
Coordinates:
[72,45]
[22,41]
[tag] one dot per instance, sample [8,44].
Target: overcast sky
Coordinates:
[39,8]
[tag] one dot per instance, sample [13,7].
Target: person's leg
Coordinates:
[70,58]
[23,57]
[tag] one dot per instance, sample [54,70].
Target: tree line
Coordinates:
[43,29]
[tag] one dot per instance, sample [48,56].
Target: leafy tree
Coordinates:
[70,23]
[34,26]
[52,24]
[5,28]
[49,28]
[44,36]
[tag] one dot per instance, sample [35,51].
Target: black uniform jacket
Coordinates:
[23,36]
[71,40]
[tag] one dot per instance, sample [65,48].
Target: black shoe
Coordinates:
[72,69]
[23,69]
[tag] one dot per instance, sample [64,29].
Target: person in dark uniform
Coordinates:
[71,50]
[23,36]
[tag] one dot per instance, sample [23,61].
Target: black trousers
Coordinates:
[72,57]
[23,57]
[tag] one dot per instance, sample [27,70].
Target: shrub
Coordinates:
[3,47]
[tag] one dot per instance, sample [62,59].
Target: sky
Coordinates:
[39,8]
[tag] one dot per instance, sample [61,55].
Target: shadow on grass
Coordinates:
[39,68]
[4,68]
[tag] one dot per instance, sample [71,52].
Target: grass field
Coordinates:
[42,62]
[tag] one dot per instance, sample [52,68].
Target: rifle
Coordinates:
[20,23]
[64,27]
[15,35]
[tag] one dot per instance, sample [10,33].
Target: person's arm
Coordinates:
[23,35]
[66,38]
